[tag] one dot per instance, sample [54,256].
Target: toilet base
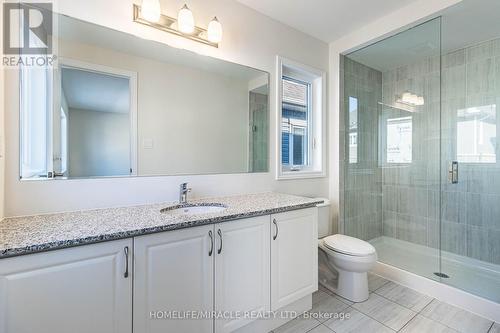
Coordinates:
[327,277]
[353,286]
[349,285]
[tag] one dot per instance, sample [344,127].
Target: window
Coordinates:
[399,140]
[301,130]
[477,134]
[295,111]
[34,121]
[64,141]
[353,130]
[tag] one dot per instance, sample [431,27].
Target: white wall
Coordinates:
[249,38]
[99,143]
[416,12]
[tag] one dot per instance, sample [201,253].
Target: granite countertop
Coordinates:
[31,234]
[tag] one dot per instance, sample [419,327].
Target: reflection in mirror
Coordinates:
[93,138]
[118,105]
[477,134]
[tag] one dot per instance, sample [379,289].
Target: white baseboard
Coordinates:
[480,306]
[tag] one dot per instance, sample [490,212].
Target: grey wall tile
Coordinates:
[389,226]
[469,210]
[477,243]
[412,229]
[494,246]
[453,237]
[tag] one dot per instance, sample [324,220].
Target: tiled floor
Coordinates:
[390,308]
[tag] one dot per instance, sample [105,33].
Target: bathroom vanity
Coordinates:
[163,268]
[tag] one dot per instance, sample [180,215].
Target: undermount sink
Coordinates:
[195,209]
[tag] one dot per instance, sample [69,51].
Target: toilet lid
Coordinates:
[348,245]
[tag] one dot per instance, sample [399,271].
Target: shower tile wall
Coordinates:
[361,176]
[411,190]
[258,161]
[470,209]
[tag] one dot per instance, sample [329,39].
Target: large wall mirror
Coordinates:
[119,105]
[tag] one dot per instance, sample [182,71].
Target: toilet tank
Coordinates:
[324,221]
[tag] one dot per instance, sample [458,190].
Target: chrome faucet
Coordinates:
[183,193]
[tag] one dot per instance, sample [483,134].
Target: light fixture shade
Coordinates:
[185,20]
[414,99]
[214,32]
[406,97]
[151,10]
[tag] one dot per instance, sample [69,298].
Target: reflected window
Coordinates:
[64,141]
[477,134]
[353,130]
[399,140]
[295,123]
[35,103]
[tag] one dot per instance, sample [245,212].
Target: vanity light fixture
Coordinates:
[149,13]
[411,99]
[185,20]
[151,10]
[214,31]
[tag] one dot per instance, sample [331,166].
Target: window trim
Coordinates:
[317,154]
[292,127]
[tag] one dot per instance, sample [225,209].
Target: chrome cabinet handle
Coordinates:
[219,232]
[211,243]
[277,229]
[125,250]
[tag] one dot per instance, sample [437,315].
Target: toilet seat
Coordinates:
[349,245]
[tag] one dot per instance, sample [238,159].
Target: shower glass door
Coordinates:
[392,138]
[420,158]
[470,197]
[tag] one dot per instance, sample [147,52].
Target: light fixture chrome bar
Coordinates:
[166,23]
[407,108]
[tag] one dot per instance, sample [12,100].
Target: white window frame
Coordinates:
[317,143]
[26,171]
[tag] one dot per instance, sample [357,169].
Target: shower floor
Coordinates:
[474,276]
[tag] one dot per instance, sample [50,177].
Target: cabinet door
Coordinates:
[173,277]
[81,290]
[242,271]
[294,256]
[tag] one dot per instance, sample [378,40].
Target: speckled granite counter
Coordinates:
[31,234]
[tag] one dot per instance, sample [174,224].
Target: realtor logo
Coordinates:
[27,34]
[27,28]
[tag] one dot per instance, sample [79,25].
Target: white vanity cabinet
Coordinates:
[176,280]
[294,256]
[242,270]
[174,272]
[81,289]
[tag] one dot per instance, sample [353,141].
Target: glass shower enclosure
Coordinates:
[420,178]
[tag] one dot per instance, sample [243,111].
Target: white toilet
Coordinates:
[343,261]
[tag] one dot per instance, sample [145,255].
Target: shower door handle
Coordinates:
[453,172]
